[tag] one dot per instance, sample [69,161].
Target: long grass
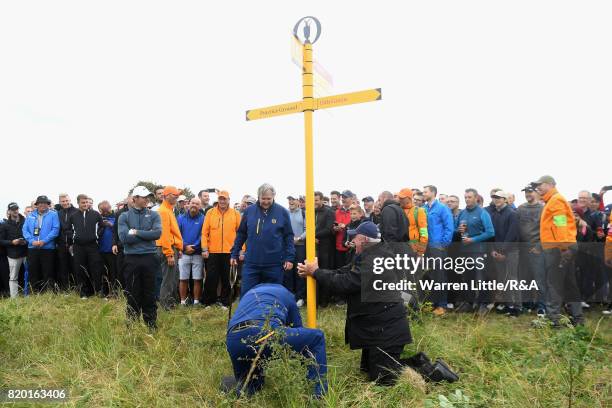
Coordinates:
[57,341]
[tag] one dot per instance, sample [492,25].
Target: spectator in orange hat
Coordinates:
[169,249]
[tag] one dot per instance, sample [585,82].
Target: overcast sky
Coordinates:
[95,96]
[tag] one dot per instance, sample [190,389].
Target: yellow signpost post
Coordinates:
[308,105]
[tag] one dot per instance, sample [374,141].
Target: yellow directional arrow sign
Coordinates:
[276,110]
[319,103]
[348,98]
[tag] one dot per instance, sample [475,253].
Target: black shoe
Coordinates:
[442,372]
[436,372]
[418,361]
[502,309]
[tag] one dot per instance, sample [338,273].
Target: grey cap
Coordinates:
[545,179]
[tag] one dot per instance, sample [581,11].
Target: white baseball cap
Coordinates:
[141,191]
[501,194]
[182,198]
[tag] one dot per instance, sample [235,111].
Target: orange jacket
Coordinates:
[557,224]
[171,235]
[609,242]
[417,228]
[219,231]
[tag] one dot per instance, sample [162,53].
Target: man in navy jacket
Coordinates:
[266,229]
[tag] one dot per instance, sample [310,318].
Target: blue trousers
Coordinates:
[253,275]
[308,342]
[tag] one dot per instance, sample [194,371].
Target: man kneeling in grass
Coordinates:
[378,327]
[267,310]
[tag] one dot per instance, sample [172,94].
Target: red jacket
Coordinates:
[342,217]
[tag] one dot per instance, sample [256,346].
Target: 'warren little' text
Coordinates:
[430,285]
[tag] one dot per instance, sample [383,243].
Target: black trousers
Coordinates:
[66,278]
[119,263]
[110,279]
[291,280]
[325,255]
[140,272]
[4,276]
[218,270]
[41,268]
[88,266]
[382,364]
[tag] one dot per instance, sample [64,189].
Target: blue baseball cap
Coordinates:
[367,228]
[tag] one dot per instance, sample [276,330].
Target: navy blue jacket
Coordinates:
[268,236]
[506,224]
[268,302]
[105,243]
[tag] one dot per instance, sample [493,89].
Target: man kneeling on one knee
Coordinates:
[379,329]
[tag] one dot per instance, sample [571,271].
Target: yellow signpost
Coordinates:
[308,105]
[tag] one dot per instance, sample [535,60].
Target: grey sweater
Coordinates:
[147,223]
[529,222]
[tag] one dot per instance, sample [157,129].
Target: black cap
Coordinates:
[347,193]
[529,188]
[13,206]
[42,199]
[368,199]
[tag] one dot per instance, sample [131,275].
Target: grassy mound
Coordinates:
[57,341]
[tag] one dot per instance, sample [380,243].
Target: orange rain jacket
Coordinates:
[219,231]
[557,224]
[417,228]
[171,235]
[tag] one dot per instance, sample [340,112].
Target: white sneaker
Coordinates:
[83,297]
[607,312]
[450,306]
[585,305]
[300,303]
[223,307]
